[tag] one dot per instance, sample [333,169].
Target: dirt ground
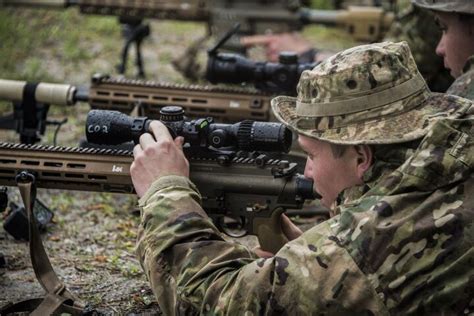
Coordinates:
[91,240]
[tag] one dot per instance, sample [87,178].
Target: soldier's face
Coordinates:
[457,42]
[331,175]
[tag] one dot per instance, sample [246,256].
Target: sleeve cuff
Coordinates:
[165,182]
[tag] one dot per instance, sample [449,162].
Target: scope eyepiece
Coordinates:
[304,188]
[113,128]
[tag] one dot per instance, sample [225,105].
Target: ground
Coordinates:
[91,240]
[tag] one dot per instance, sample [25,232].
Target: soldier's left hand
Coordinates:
[276,43]
[157,155]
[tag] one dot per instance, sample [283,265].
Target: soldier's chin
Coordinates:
[455,74]
[451,72]
[326,203]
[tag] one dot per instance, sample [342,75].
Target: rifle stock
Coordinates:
[253,189]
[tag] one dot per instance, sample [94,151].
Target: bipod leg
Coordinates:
[139,60]
[141,32]
[121,68]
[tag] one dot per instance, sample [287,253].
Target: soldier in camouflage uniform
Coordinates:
[404,247]
[456,46]
[418,28]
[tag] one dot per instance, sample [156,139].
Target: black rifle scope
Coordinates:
[280,78]
[113,128]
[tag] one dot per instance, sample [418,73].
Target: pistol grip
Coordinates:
[269,231]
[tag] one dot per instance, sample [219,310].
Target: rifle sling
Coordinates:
[58,299]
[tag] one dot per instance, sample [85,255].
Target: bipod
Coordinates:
[134,32]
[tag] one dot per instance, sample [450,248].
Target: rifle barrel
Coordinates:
[326,17]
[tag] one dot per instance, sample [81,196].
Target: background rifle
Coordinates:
[32,101]
[255,17]
[253,188]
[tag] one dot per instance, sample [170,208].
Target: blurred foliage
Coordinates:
[322,4]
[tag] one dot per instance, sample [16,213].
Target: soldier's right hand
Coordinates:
[156,156]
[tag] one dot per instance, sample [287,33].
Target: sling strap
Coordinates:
[58,299]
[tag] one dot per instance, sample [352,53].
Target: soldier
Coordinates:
[456,46]
[366,118]
[418,28]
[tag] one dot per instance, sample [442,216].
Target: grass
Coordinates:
[31,36]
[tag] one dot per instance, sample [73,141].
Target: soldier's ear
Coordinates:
[364,159]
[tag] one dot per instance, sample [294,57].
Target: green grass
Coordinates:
[31,37]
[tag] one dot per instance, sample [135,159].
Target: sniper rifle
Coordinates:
[254,188]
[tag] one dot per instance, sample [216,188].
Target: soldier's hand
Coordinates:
[290,230]
[277,43]
[156,156]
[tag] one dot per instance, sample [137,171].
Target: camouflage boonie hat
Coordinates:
[369,94]
[455,6]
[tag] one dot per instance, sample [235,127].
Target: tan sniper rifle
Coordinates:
[366,24]
[31,101]
[254,188]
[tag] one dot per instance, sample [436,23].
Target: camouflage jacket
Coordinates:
[404,247]
[464,85]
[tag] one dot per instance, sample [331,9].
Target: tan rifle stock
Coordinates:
[255,17]
[254,189]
